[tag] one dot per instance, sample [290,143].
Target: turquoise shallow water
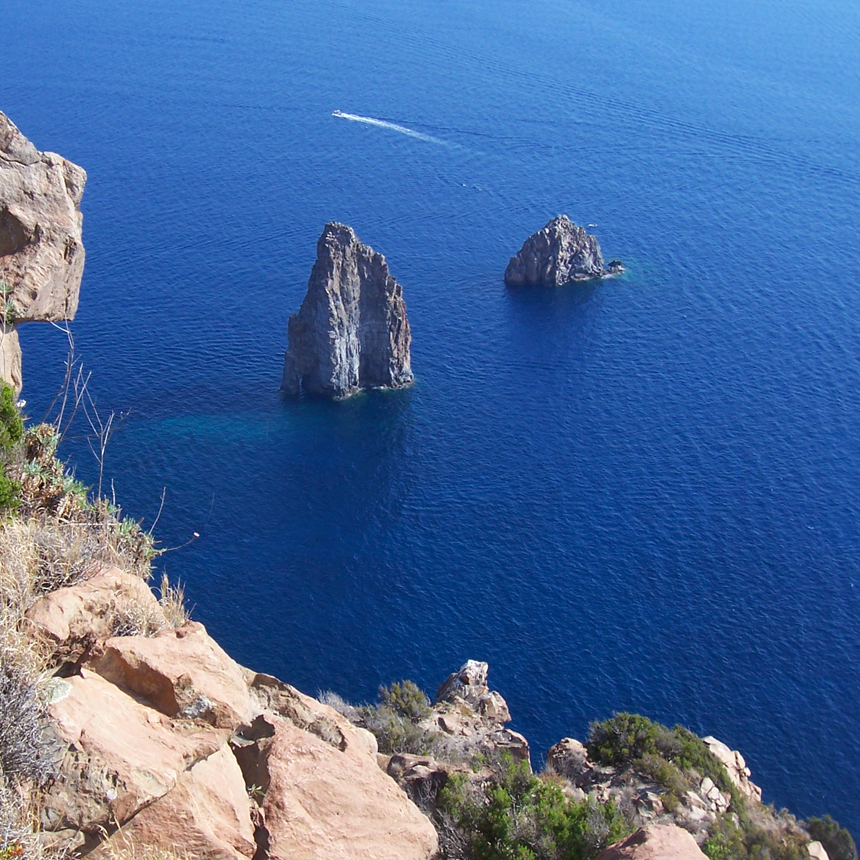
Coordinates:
[641,494]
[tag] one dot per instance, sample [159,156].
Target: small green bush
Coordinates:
[668,756]
[519,816]
[741,838]
[395,720]
[11,422]
[406,699]
[837,841]
[11,432]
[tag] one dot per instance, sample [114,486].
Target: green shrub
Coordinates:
[837,841]
[394,720]
[519,816]
[666,755]
[11,431]
[11,422]
[772,837]
[406,699]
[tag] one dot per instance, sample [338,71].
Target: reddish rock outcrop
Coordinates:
[181,672]
[655,842]
[225,832]
[120,755]
[324,804]
[164,740]
[75,618]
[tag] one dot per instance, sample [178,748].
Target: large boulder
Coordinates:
[351,331]
[41,252]
[120,755]
[556,255]
[655,842]
[322,803]
[207,816]
[75,619]
[182,672]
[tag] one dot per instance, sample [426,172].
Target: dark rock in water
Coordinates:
[351,331]
[560,253]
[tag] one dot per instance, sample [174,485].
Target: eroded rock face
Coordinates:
[182,673]
[325,804]
[736,767]
[466,709]
[41,252]
[73,620]
[655,842]
[213,786]
[556,255]
[121,755]
[351,331]
[163,740]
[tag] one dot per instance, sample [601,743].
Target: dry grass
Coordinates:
[172,602]
[120,846]
[57,539]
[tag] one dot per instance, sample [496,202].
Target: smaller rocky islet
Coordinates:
[352,332]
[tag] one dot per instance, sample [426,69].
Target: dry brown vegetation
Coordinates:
[51,537]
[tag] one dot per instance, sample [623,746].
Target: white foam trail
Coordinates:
[381,123]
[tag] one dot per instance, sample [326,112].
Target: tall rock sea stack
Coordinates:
[351,331]
[41,252]
[556,255]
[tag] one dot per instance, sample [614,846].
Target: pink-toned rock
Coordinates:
[306,713]
[75,618]
[655,842]
[182,672]
[323,804]
[736,767]
[120,754]
[207,816]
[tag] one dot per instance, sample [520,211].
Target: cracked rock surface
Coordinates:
[351,332]
[558,254]
[41,251]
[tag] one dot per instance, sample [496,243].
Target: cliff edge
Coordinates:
[41,250]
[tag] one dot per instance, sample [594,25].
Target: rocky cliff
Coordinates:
[556,255]
[351,331]
[41,252]
[165,741]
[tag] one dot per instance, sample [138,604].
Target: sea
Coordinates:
[637,494]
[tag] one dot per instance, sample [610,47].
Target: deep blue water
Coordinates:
[641,494]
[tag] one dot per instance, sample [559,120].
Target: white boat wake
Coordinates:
[381,123]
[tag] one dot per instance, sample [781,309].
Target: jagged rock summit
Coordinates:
[556,255]
[41,252]
[351,331]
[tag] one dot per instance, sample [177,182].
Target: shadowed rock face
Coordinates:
[41,253]
[351,331]
[559,253]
